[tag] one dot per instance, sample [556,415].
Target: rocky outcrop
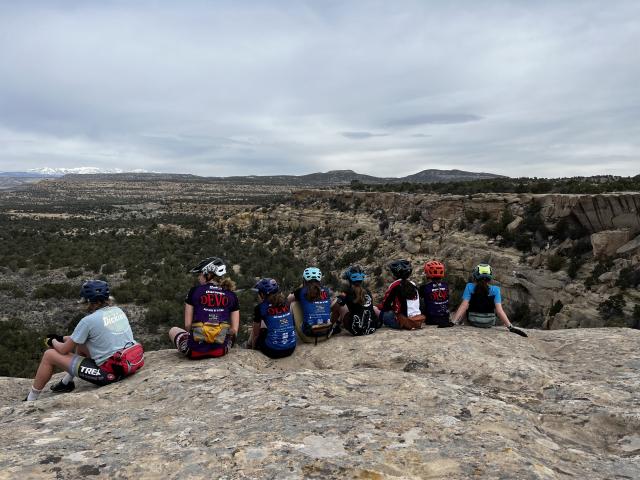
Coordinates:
[455,403]
[596,212]
[630,248]
[607,242]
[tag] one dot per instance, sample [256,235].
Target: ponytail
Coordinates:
[314,291]
[358,293]
[227,284]
[408,290]
[276,299]
[482,287]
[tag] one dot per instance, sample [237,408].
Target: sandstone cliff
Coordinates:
[436,403]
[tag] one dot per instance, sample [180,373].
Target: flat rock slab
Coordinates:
[434,403]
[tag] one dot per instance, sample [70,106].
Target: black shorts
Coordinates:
[439,320]
[86,369]
[272,352]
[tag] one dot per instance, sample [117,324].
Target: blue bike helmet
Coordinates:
[354,273]
[312,273]
[94,291]
[267,286]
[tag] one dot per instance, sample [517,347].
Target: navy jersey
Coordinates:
[281,332]
[435,296]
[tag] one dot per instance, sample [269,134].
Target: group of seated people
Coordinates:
[102,349]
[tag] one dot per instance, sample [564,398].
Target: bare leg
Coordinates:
[174,332]
[50,360]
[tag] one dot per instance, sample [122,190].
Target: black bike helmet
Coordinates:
[212,265]
[400,269]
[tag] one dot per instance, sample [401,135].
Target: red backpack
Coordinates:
[125,362]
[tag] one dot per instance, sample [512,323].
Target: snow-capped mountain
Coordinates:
[80,170]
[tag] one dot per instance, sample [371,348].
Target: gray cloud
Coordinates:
[362,135]
[434,118]
[519,88]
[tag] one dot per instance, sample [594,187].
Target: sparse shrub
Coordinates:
[492,229]
[13,289]
[603,266]
[555,262]
[556,308]
[629,278]
[574,265]
[109,268]
[470,216]
[521,316]
[567,228]
[612,308]
[456,288]
[21,360]
[636,317]
[57,290]
[162,312]
[350,257]
[506,218]
[74,273]
[414,217]
[523,242]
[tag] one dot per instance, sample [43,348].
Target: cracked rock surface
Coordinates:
[433,403]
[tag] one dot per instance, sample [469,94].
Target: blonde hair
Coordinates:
[227,284]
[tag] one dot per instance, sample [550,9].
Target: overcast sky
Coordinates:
[549,88]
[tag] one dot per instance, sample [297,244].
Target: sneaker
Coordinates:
[62,388]
[446,325]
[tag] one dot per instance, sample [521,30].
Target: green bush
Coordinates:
[57,290]
[555,262]
[22,359]
[629,278]
[612,307]
[603,266]
[522,242]
[521,315]
[164,313]
[555,308]
[13,289]
[414,217]
[492,229]
[574,266]
[74,273]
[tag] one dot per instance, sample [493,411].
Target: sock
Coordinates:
[67,378]
[33,394]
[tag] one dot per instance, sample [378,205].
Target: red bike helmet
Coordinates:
[434,269]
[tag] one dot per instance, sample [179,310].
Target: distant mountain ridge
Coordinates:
[330,178]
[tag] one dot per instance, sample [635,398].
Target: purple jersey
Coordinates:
[436,299]
[211,304]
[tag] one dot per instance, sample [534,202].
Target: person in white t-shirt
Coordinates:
[400,307]
[88,351]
